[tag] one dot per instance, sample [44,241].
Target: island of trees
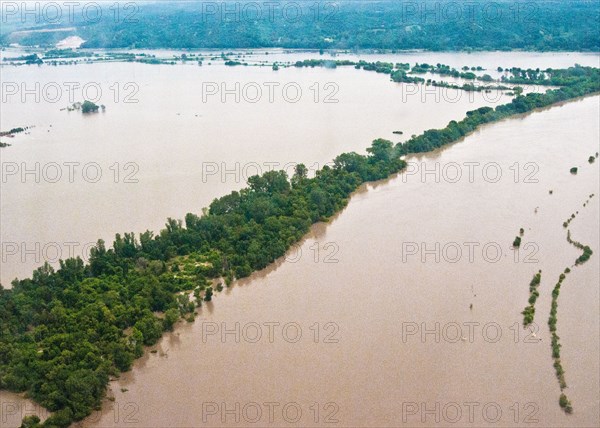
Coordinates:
[11,134]
[529,311]
[89,107]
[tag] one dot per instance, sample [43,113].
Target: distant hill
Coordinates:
[391,25]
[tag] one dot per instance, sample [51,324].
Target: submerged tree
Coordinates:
[89,107]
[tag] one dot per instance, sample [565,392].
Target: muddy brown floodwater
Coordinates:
[354,329]
[368,322]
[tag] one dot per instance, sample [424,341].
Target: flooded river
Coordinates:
[402,310]
[387,339]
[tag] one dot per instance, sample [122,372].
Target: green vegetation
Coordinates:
[517,242]
[560,373]
[89,107]
[26,59]
[436,138]
[30,422]
[56,57]
[445,26]
[13,131]
[469,87]
[547,77]
[591,159]
[529,311]
[64,332]
[568,221]
[378,67]
[208,295]
[564,402]
[66,53]
[400,76]
[323,63]
[11,134]
[446,70]
[573,170]
[587,251]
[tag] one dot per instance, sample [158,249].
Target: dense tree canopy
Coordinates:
[441,25]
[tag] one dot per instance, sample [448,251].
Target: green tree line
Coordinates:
[445,25]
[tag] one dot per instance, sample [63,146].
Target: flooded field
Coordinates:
[406,307]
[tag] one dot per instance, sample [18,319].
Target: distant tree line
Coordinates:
[393,25]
